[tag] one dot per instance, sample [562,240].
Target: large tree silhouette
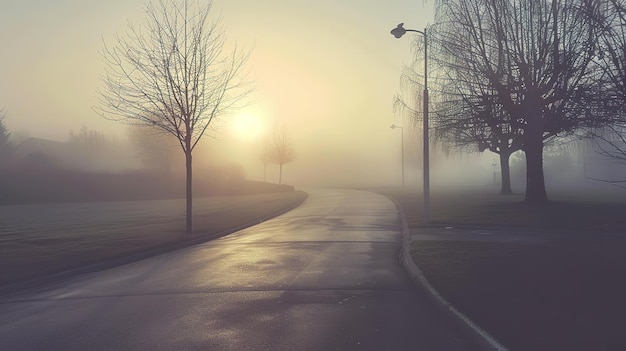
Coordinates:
[535,55]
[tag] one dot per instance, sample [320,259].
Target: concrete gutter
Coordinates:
[476,334]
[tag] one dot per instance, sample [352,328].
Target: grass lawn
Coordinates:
[561,294]
[38,240]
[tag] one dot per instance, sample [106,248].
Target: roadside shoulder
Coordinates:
[482,338]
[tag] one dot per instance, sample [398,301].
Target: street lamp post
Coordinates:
[393,126]
[399,32]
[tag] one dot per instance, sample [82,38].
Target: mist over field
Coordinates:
[238,175]
[329,84]
[226,159]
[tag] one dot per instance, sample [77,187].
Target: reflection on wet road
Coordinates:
[324,276]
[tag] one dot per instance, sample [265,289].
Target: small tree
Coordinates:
[174,74]
[281,152]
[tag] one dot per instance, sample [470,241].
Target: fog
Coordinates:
[325,71]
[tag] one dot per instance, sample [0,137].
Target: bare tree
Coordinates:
[612,52]
[611,97]
[480,124]
[536,55]
[173,73]
[281,151]
[406,104]
[612,143]
[463,117]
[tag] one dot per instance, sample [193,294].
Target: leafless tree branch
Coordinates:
[173,73]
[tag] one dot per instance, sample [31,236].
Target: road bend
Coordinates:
[324,276]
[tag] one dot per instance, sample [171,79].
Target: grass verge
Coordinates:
[564,293]
[39,240]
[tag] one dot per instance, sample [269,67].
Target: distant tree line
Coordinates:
[52,171]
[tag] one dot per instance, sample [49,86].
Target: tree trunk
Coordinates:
[280,174]
[535,184]
[189,192]
[505,171]
[265,172]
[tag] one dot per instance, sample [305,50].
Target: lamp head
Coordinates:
[398,31]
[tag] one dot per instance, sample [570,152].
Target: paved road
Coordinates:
[324,276]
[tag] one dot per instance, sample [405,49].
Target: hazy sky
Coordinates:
[327,69]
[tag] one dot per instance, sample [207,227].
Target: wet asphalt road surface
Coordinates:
[324,276]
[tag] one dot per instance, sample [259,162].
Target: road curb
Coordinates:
[479,336]
[13,288]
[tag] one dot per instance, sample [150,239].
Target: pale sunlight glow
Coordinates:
[326,71]
[247,127]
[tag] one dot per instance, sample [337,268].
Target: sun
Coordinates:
[247,127]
